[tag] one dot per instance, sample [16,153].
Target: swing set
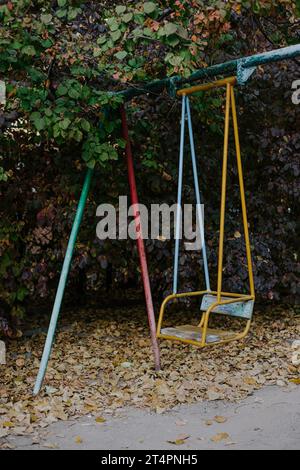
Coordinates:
[213,301]
[233,304]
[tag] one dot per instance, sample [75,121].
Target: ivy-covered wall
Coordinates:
[59,59]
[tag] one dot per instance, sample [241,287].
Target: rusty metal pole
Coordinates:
[140,241]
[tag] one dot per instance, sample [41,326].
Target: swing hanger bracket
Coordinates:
[244,72]
[173,86]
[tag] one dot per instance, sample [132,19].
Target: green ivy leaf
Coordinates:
[61,13]
[170,28]
[85,125]
[46,19]
[113,24]
[73,13]
[40,124]
[127,17]
[64,124]
[120,9]
[116,35]
[101,40]
[74,93]
[173,41]
[78,135]
[121,55]
[29,50]
[62,90]
[91,164]
[149,7]
[174,60]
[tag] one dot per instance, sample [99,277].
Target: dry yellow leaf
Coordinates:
[78,440]
[209,422]
[177,442]
[295,381]
[180,440]
[100,419]
[250,381]
[220,419]
[8,424]
[222,436]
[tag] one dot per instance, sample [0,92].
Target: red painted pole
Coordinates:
[140,241]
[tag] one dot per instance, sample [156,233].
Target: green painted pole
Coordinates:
[62,282]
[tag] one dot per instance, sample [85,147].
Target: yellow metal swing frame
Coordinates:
[222,299]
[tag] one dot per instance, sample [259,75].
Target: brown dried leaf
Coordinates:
[100,420]
[222,436]
[220,419]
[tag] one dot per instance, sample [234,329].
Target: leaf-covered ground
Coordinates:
[102,361]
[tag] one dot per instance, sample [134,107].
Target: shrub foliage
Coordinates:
[60,61]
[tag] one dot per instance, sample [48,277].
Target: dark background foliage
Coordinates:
[41,151]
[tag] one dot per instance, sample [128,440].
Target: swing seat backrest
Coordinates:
[241,309]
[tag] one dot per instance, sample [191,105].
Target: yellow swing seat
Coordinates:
[195,333]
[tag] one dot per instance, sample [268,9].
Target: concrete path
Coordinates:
[270,419]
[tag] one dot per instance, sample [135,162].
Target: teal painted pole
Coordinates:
[247,62]
[62,282]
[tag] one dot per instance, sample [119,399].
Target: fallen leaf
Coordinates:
[250,381]
[212,395]
[50,445]
[100,419]
[222,436]
[220,419]
[78,440]
[126,365]
[180,440]
[8,424]
[6,445]
[20,362]
[50,390]
[295,381]
[209,422]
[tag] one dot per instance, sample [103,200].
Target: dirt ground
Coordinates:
[101,390]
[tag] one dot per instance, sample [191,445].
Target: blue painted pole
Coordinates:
[179,198]
[62,283]
[198,196]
